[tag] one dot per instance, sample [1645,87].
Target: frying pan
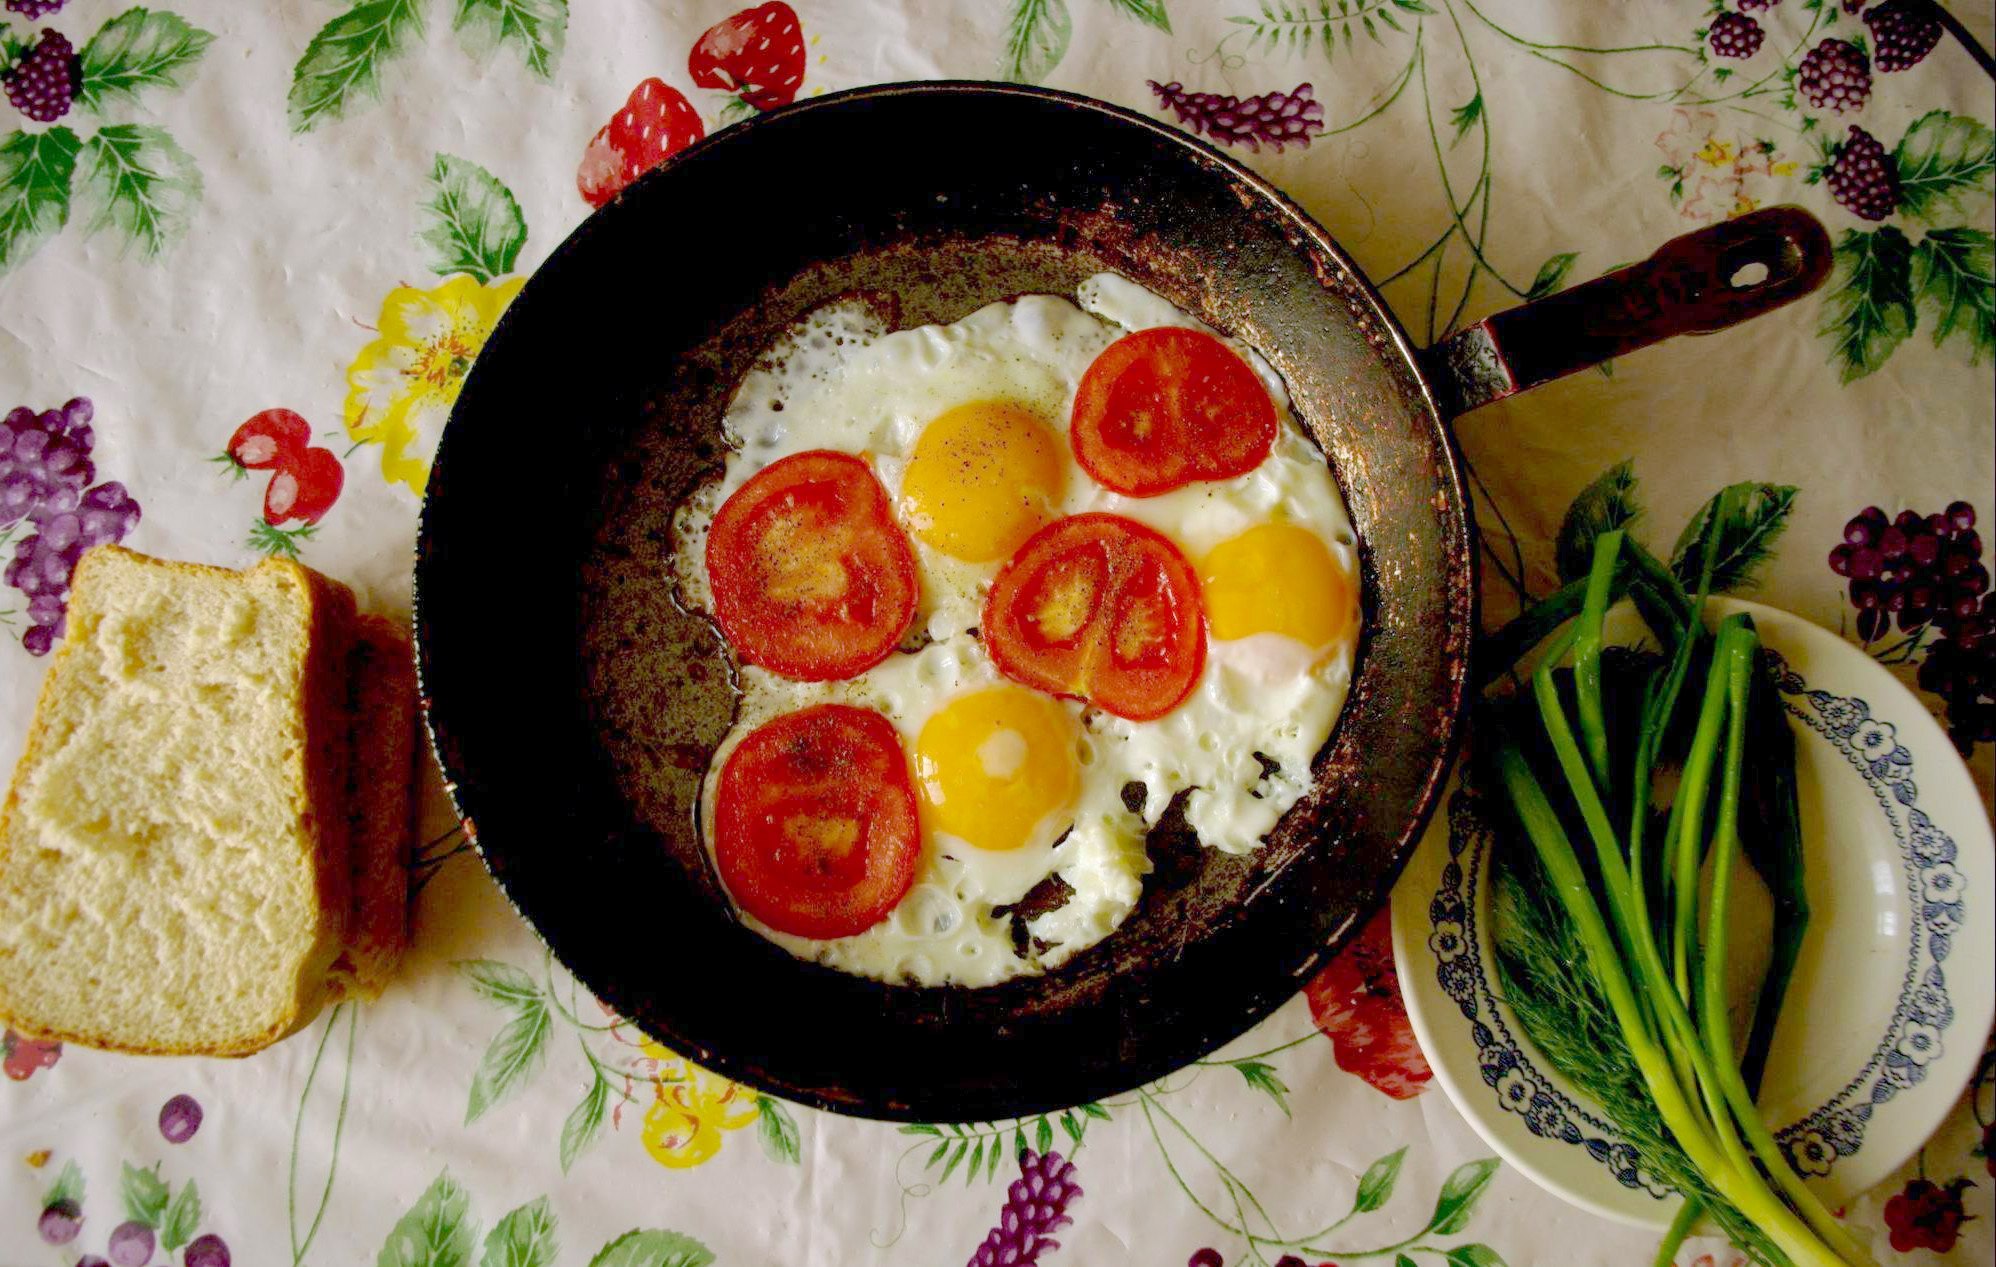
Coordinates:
[573,705]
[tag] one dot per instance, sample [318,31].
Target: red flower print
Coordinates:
[656,122]
[25,1055]
[1926,1216]
[1355,1001]
[757,56]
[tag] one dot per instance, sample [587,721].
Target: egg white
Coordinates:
[841,380]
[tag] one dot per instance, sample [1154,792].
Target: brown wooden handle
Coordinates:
[1695,284]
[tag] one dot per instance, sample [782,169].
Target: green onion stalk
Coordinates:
[1660,971]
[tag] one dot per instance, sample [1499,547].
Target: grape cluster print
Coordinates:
[1035,1208]
[1278,118]
[157,1218]
[131,179]
[1926,575]
[46,490]
[1735,35]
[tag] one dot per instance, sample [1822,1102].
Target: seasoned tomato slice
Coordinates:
[1164,407]
[812,576]
[1101,608]
[814,822]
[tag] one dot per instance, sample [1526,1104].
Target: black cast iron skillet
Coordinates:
[573,706]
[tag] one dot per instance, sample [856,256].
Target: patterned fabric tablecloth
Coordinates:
[209,211]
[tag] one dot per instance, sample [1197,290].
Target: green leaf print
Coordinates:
[144,1193]
[343,63]
[1042,1136]
[1608,503]
[136,179]
[35,172]
[780,1138]
[650,1247]
[1550,275]
[1954,282]
[584,1122]
[515,1054]
[1375,1186]
[68,1186]
[1035,40]
[1474,1256]
[523,1238]
[436,1232]
[475,224]
[1753,519]
[183,1218]
[1148,11]
[1460,1194]
[136,50]
[1944,159]
[501,982]
[1869,311]
[535,28]
[1465,116]
[1401,1260]
[1261,1076]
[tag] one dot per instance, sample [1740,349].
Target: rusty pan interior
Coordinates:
[573,706]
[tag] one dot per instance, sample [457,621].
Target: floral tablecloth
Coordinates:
[247,253]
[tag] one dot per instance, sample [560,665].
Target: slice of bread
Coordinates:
[381,804]
[174,866]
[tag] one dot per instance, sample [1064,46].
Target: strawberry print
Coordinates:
[757,56]
[269,439]
[305,480]
[656,122]
[23,1056]
[1355,1001]
[304,488]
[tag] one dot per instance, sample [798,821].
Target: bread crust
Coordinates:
[381,787]
[324,724]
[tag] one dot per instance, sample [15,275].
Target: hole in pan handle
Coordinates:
[1701,282]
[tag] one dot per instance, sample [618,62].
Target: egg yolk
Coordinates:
[996,768]
[1276,578]
[983,478]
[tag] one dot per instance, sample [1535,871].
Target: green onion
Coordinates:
[1660,972]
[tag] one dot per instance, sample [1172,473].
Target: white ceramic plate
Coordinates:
[1892,996]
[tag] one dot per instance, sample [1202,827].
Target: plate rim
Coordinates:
[1430,1013]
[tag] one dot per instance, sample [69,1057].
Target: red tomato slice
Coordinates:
[812,576]
[1164,407]
[1101,608]
[814,822]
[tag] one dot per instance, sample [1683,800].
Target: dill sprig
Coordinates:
[1542,971]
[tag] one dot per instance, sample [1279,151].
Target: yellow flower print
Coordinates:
[684,1124]
[1714,152]
[401,387]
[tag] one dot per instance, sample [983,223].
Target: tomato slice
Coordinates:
[813,578]
[814,822]
[1101,608]
[1161,408]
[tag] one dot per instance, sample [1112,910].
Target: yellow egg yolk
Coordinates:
[1276,578]
[983,478]
[997,768]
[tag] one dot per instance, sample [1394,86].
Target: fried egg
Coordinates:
[965,425]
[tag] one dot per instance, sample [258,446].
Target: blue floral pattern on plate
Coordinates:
[1935,894]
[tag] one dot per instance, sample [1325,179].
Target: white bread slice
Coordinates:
[173,851]
[381,807]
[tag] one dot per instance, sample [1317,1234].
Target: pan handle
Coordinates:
[1694,284]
